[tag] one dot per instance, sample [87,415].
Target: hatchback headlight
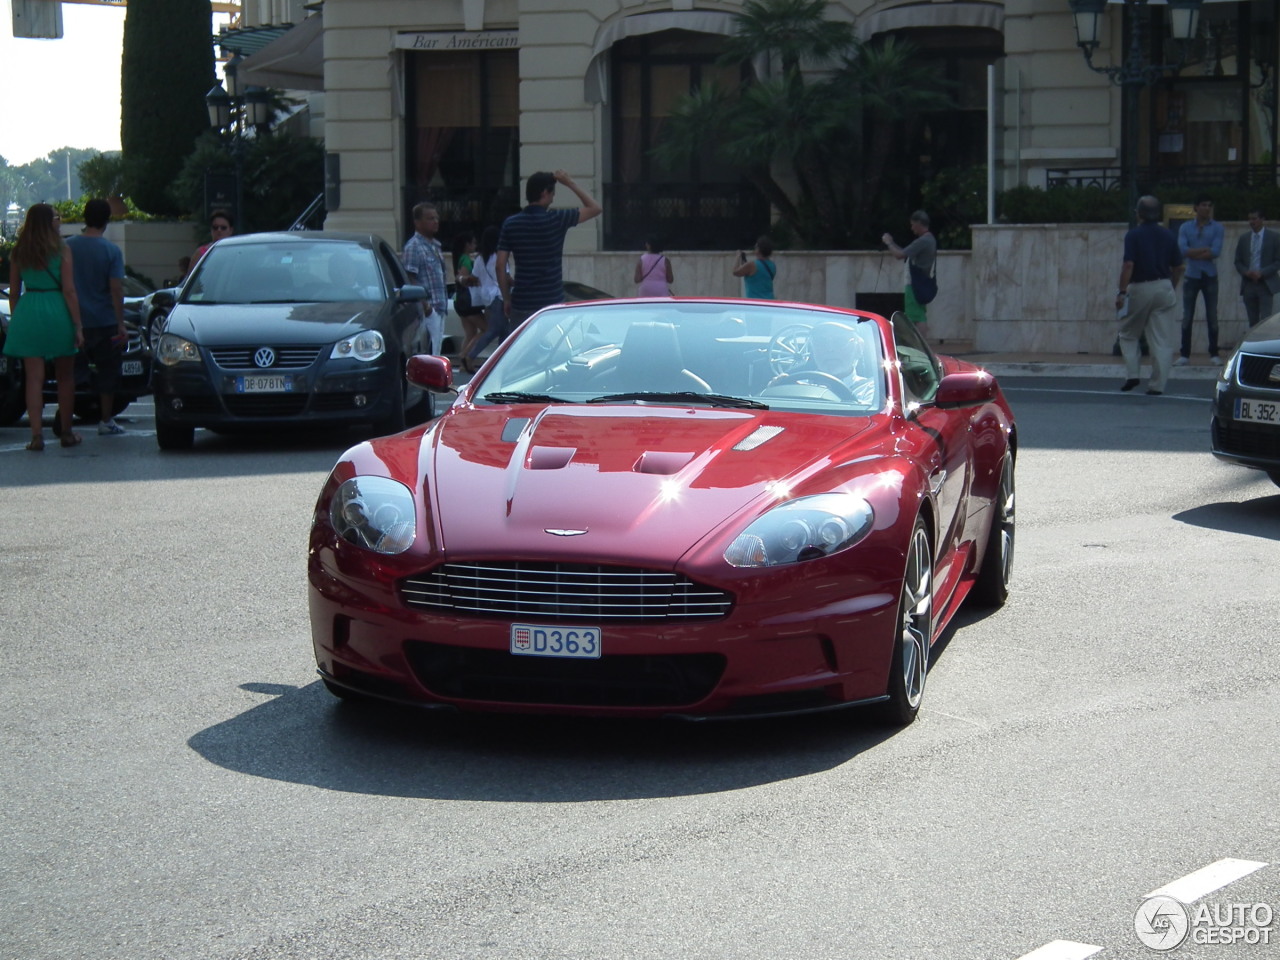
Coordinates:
[173,349]
[365,345]
[802,529]
[1228,371]
[375,513]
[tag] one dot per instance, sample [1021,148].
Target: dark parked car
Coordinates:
[1246,407]
[276,330]
[135,369]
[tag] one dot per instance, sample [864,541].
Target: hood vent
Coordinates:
[758,436]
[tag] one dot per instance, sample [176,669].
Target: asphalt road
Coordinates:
[178,784]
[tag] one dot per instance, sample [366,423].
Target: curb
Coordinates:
[1103,371]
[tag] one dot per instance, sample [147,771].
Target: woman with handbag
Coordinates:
[921,284]
[653,271]
[45,319]
[464,297]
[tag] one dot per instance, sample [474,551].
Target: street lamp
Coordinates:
[1134,72]
[232,112]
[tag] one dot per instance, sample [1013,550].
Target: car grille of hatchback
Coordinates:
[287,358]
[1246,439]
[573,592]
[1255,371]
[465,673]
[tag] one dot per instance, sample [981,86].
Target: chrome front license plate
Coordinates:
[264,383]
[573,643]
[1257,411]
[131,368]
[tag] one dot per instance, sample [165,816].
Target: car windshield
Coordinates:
[701,353]
[301,271]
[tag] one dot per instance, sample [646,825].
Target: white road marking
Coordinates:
[1062,950]
[1204,881]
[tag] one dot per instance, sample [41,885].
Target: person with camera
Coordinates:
[757,271]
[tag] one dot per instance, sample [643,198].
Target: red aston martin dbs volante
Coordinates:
[692,508]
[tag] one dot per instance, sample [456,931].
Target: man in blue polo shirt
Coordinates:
[1200,241]
[535,238]
[1152,268]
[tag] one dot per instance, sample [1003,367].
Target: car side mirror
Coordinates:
[969,388]
[411,293]
[431,372]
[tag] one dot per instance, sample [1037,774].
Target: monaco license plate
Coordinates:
[264,383]
[543,640]
[1257,411]
[131,368]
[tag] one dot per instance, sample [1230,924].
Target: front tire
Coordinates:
[909,665]
[992,586]
[174,436]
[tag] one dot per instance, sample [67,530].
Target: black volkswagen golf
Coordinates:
[276,330]
[1246,407]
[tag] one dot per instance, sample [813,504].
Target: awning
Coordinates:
[294,61]
[913,15]
[247,40]
[596,87]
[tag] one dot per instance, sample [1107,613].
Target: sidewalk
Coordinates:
[1075,365]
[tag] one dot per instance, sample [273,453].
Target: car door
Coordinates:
[949,461]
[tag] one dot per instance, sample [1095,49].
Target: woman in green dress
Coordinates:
[45,320]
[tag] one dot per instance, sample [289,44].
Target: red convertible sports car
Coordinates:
[690,508]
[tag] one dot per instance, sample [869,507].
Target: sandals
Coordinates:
[70,439]
[36,444]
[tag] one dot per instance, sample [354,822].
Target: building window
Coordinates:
[463,136]
[691,208]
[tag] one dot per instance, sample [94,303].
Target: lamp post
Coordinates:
[231,113]
[1134,72]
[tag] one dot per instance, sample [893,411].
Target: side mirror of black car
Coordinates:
[411,293]
[970,388]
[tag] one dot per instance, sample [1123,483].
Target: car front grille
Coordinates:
[266,404]
[616,681]
[1256,371]
[1246,439]
[287,358]
[573,592]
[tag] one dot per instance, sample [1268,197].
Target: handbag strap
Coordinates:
[653,267]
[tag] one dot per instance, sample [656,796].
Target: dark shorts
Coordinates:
[104,358]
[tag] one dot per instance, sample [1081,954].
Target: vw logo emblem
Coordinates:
[264,357]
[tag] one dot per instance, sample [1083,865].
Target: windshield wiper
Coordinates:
[514,396]
[685,396]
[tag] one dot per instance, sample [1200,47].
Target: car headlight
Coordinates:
[365,345]
[173,349]
[375,513]
[1229,370]
[802,529]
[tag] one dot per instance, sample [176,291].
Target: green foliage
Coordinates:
[281,175]
[43,180]
[72,211]
[955,198]
[799,136]
[102,175]
[166,71]
[1062,205]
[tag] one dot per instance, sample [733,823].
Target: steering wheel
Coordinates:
[817,377]
[789,347]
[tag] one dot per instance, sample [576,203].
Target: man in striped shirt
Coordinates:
[535,237]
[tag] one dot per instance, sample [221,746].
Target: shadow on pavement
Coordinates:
[303,735]
[1258,518]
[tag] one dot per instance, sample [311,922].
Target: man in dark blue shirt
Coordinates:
[535,237]
[1146,301]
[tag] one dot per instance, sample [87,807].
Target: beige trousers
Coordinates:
[1153,310]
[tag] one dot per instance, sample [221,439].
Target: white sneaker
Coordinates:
[1181,362]
[109,428]
[1216,360]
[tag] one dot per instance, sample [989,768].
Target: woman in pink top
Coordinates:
[653,271]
